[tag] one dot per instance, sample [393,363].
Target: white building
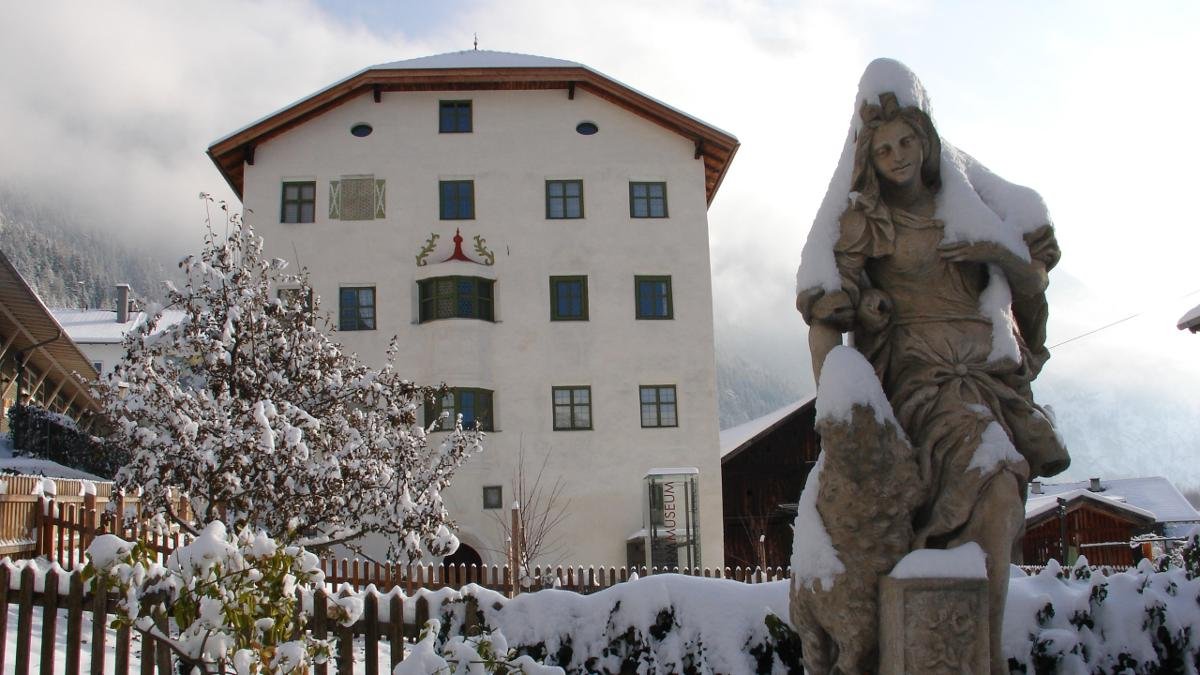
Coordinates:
[536,234]
[100,333]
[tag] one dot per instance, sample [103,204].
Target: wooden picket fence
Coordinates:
[382,622]
[359,574]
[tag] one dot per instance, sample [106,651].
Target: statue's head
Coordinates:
[896,145]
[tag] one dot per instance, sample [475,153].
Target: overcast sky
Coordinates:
[106,109]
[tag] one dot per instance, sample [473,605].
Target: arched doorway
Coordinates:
[453,570]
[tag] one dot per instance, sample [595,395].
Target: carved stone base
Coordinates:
[933,626]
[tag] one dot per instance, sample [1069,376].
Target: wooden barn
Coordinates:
[1101,517]
[764,464]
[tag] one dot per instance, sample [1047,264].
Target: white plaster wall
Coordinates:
[108,353]
[521,139]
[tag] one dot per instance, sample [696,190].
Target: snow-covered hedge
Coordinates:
[1076,622]
[37,432]
[667,623]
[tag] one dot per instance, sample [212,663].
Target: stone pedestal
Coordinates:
[933,626]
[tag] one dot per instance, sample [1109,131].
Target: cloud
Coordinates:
[110,106]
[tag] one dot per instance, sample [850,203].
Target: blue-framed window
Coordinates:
[568,298]
[356,308]
[456,199]
[653,297]
[647,200]
[454,117]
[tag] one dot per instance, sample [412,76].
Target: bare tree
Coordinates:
[543,510]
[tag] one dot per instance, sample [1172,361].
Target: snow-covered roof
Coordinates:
[737,437]
[477,69]
[1190,320]
[1040,504]
[479,58]
[1153,494]
[99,326]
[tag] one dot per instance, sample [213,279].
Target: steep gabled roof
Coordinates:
[476,70]
[735,439]
[27,326]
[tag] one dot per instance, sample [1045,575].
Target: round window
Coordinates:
[587,128]
[361,130]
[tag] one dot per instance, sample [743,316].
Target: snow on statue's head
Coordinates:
[974,203]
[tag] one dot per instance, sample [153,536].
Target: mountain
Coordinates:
[746,391]
[69,264]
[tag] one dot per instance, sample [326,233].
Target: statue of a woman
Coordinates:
[950,314]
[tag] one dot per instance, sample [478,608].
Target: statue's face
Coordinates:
[896,153]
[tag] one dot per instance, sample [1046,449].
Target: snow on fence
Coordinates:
[358,574]
[68,604]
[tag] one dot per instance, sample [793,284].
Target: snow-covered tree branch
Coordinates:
[248,408]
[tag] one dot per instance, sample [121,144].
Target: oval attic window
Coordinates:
[361,130]
[587,128]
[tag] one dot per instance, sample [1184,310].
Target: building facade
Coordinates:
[535,234]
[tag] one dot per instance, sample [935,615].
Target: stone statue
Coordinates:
[938,270]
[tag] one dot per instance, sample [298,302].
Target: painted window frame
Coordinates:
[657,404]
[555,314]
[451,115]
[359,322]
[299,201]
[640,279]
[484,305]
[564,199]
[648,199]
[571,406]
[444,203]
[434,408]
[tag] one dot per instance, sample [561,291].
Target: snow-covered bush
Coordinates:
[250,410]
[1076,621]
[487,652]
[666,623]
[40,433]
[220,599]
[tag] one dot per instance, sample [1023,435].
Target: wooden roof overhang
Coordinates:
[714,146]
[1080,503]
[26,326]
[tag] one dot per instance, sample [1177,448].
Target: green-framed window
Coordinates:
[572,408]
[356,308]
[456,199]
[475,405]
[493,497]
[569,298]
[454,117]
[456,298]
[658,405]
[299,202]
[652,295]
[564,199]
[647,200]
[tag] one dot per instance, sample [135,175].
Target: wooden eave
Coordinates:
[714,146]
[1081,503]
[23,314]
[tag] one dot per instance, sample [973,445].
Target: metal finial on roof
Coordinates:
[477,42]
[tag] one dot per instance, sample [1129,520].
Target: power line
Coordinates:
[1114,323]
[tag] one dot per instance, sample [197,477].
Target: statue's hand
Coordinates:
[978,251]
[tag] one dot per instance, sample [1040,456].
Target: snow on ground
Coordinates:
[29,466]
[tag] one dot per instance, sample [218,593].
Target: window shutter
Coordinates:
[335,200]
[380,200]
[357,197]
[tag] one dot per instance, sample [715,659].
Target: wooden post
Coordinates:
[4,581]
[345,643]
[422,615]
[49,621]
[371,630]
[396,628]
[74,622]
[24,621]
[99,627]
[318,626]
[89,520]
[471,617]
[516,549]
